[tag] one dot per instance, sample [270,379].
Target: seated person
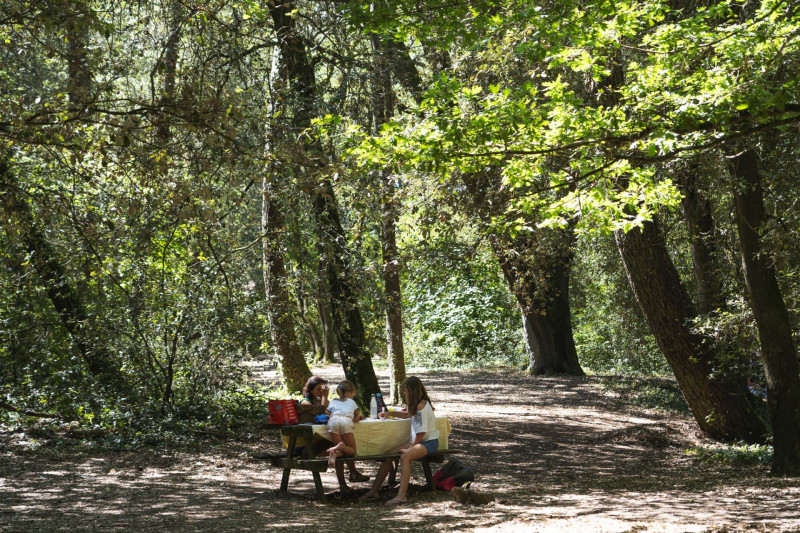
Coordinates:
[315,402]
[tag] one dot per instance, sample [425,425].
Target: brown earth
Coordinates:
[559,454]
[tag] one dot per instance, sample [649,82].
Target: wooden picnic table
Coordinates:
[305,459]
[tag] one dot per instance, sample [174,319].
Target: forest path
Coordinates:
[560,454]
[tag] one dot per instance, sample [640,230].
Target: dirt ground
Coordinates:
[559,454]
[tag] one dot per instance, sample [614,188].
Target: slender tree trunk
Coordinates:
[170,59]
[312,331]
[326,320]
[383,108]
[297,75]
[79,84]
[347,321]
[772,318]
[700,224]
[719,404]
[293,366]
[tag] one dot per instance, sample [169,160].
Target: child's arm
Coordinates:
[357,417]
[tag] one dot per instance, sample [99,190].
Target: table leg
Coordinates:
[426,467]
[318,485]
[287,471]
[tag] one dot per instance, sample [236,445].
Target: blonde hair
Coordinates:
[344,387]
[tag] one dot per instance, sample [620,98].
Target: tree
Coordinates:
[772,317]
[297,75]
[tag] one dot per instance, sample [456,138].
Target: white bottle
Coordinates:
[373,407]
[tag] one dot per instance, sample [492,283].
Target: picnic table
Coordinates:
[373,439]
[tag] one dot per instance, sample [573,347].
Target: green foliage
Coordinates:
[652,393]
[461,313]
[610,332]
[733,454]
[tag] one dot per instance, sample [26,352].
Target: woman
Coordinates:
[315,402]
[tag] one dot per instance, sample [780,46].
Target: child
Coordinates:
[424,438]
[343,415]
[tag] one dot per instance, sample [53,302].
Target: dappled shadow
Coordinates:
[559,454]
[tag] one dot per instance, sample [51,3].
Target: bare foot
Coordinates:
[369,496]
[332,458]
[335,448]
[396,501]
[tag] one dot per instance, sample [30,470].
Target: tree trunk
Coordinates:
[293,365]
[297,75]
[719,403]
[536,266]
[311,331]
[348,325]
[772,318]
[170,58]
[383,109]
[700,224]
[538,275]
[326,320]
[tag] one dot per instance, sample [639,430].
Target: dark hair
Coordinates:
[312,382]
[416,393]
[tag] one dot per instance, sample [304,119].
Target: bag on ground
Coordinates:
[453,474]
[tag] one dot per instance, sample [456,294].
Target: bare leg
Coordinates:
[379,477]
[382,473]
[333,452]
[340,478]
[417,451]
[348,446]
[355,475]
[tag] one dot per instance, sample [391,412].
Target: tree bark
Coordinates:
[383,109]
[293,366]
[539,278]
[536,266]
[297,75]
[325,318]
[700,224]
[772,318]
[719,404]
[347,321]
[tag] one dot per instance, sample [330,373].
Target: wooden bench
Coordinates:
[307,461]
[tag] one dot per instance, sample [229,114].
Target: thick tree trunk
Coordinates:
[536,267]
[293,366]
[719,403]
[297,75]
[772,318]
[700,224]
[539,279]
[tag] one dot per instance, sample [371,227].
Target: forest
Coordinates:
[553,188]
